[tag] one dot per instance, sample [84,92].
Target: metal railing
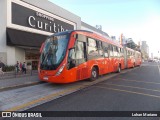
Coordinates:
[15,74]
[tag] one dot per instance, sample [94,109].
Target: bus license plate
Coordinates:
[45,78]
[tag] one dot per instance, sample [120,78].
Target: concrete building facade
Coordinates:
[144,49]
[85,26]
[25,24]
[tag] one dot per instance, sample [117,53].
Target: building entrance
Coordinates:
[32,58]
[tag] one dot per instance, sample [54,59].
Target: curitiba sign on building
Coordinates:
[37,20]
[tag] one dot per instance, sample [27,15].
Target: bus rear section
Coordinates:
[130,57]
[138,58]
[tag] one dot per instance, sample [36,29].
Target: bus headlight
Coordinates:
[60,70]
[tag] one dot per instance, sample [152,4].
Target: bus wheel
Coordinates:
[119,69]
[94,74]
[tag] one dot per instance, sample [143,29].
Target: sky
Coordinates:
[136,19]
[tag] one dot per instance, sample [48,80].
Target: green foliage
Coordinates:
[8,68]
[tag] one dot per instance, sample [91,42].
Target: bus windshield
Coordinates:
[53,52]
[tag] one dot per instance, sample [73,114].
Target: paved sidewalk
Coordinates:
[18,81]
[13,74]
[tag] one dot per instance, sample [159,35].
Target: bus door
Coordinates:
[77,65]
[81,64]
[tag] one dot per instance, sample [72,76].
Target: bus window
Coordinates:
[92,47]
[81,38]
[100,51]
[121,52]
[115,51]
[79,50]
[105,49]
[111,50]
[53,52]
[128,53]
[118,52]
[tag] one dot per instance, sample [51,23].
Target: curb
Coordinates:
[17,76]
[19,85]
[60,94]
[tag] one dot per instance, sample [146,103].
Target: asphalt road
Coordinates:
[137,90]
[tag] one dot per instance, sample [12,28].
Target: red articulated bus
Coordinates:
[130,57]
[77,55]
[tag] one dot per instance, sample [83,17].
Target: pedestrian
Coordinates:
[2,65]
[17,67]
[20,66]
[24,67]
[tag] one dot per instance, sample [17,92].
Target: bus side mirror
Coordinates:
[42,46]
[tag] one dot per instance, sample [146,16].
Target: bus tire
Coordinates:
[94,74]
